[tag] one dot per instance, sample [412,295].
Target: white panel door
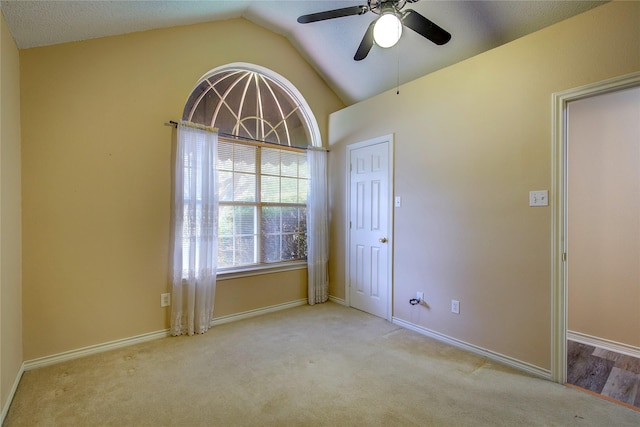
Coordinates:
[369,226]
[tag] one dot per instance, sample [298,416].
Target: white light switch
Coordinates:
[539,198]
[398,201]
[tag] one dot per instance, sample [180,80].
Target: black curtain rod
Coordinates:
[244,138]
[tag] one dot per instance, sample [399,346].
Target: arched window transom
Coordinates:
[250,104]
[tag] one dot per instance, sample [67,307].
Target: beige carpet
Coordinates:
[312,365]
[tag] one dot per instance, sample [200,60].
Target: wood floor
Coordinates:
[613,375]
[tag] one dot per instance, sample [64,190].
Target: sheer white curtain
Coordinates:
[195,242]
[317,226]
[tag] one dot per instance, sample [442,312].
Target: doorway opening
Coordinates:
[580,350]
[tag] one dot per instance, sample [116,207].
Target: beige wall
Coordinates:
[96,177]
[471,141]
[604,216]
[10,222]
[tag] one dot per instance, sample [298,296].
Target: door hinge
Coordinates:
[564,256]
[349,225]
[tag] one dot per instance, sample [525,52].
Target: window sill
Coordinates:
[258,270]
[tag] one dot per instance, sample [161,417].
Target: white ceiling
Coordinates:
[329,46]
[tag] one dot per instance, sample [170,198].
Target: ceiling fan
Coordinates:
[389,24]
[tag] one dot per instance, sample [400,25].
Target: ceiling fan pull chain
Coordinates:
[398,73]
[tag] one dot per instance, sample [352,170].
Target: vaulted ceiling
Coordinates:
[329,46]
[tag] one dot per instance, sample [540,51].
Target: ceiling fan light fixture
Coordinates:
[387,30]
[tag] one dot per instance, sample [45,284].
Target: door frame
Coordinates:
[390,141]
[559,303]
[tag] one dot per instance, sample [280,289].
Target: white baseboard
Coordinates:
[604,344]
[505,360]
[257,312]
[12,393]
[112,345]
[93,349]
[337,300]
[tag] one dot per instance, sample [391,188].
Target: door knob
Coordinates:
[382,240]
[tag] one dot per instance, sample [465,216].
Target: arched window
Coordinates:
[264,127]
[247,101]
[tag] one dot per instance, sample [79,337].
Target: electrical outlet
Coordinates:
[165,300]
[420,296]
[455,306]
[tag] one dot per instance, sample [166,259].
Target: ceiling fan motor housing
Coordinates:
[380,7]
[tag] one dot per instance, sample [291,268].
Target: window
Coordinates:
[261,164]
[262,196]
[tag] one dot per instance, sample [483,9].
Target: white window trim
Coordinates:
[260,269]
